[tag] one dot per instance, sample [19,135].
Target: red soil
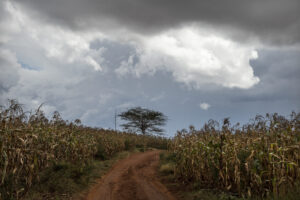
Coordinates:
[134,178]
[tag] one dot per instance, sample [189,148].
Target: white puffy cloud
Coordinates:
[204,106]
[57,42]
[196,57]
[42,63]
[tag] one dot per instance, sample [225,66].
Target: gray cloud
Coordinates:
[9,68]
[54,52]
[93,97]
[272,21]
[279,71]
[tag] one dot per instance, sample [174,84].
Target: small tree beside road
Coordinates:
[143,120]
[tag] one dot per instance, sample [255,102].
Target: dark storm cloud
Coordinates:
[272,21]
[279,72]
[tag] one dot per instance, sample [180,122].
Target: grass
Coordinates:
[66,180]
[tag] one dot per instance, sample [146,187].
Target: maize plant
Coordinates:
[29,143]
[259,159]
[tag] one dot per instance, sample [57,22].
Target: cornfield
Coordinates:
[29,143]
[259,159]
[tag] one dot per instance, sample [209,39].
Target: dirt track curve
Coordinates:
[134,178]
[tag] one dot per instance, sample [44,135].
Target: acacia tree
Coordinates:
[143,120]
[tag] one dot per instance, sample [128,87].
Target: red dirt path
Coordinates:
[134,178]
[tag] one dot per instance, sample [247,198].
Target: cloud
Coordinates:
[57,42]
[87,59]
[44,63]
[204,106]
[195,57]
[158,97]
[6,26]
[279,73]
[274,22]
[9,69]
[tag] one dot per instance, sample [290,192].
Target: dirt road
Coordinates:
[133,178]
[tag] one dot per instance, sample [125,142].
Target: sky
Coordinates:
[192,60]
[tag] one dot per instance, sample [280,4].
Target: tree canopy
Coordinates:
[143,120]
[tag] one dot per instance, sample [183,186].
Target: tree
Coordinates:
[143,120]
